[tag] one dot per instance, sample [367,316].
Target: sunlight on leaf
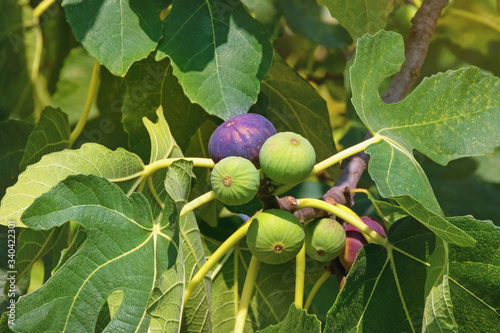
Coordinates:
[116,33]
[219,53]
[40,177]
[448,116]
[122,252]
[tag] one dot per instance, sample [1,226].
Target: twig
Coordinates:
[424,23]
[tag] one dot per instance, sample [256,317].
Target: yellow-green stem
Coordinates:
[88,104]
[325,164]
[195,203]
[165,163]
[322,279]
[347,215]
[246,294]
[42,7]
[300,272]
[215,257]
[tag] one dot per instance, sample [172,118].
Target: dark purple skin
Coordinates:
[242,136]
[355,240]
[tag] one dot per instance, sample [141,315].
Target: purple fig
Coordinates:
[242,136]
[355,240]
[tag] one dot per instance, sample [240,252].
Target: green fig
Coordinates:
[325,239]
[235,180]
[287,158]
[275,236]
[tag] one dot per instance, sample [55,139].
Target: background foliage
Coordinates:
[170,73]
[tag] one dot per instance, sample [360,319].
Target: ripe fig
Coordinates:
[355,240]
[235,180]
[287,158]
[275,236]
[325,239]
[242,136]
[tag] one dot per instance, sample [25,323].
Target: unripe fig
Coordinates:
[242,136]
[355,240]
[275,236]
[287,158]
[325,239]
[235,180]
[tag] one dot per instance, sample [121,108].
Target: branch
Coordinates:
[416,48]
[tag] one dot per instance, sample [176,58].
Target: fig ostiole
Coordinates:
[287,158]
[235,180]
[242,136]
[325,239]
[275,236]
[355,240]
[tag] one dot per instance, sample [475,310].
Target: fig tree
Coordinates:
[275,236]
[242,136]
[235,180]
[325,239]
[355,240]
[287,158]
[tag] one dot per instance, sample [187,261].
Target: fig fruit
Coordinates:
[275,236]
[242,136]
[235,180]
[287,158]
[325,239]
[355,240]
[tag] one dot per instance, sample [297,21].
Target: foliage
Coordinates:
[106,110]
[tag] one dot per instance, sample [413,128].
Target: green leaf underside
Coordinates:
[438,316]
[407,288]
[219,53]
[162,143]
[360,16]
[297,320]
[51,134]
[448,116]
[115,32]
[167,297]
[374,297]
[120,253]
[40,177]
[294,105]
[34,245]
[474,272]
[439,225]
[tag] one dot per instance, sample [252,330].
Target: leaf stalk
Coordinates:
[246,294]
[88,104]
[300,272]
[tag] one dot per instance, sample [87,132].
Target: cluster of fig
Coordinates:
[276,236]
[247,142]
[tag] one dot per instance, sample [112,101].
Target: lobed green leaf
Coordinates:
[359,16]
[40,177]
[116,33]
[219,53]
